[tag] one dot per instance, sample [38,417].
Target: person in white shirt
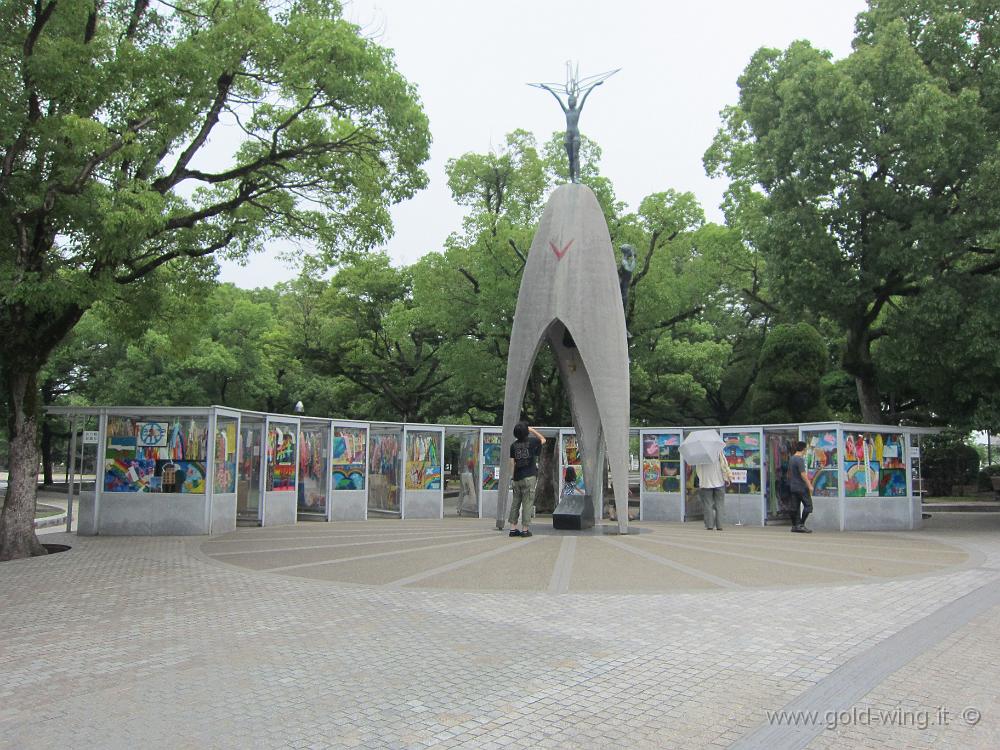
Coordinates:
[713,479]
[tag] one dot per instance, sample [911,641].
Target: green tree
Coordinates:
[789,384]
[104,175]
[956,380]
[877,171]
[374,336]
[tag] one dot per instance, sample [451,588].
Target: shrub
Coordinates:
[984,476]
[948,461]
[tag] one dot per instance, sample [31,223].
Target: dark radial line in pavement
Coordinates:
[851,681]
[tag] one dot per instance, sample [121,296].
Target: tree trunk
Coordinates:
[547,484]
[868,397]
[46,454]
[17,522]
[857,361]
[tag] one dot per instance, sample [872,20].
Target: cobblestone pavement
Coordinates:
[674,637]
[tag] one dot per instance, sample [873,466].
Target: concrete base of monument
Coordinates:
[605,528]
[573,513]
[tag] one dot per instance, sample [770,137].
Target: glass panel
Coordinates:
[281,456]
[779,446]
[491,460]
[248,477]
[874,464]
[384,459]
[348,463]
[742,451]
[661,462]
[423,460]
[572,458]
[822,461]
[468,465]
[313,475]
[224,481]
[916,475]
[156,454]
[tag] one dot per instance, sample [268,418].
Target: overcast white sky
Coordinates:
[470,61]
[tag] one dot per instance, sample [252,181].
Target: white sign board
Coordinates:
[90,437]
[914,451]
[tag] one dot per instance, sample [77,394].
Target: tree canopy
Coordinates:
[874,176]
[106,175]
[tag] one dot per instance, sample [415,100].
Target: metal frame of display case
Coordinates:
[146,512]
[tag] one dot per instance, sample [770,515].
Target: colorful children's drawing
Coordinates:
[283,478]
[662,462]
[151,434]
[423,465]
[821,462]
[742,452]
[862,480]
[224,481]
[651,474]
[121,443]
[193,481]
[125,473]
[572,457]
[650,447]
[348,465]
[281,458]
[892,483]
[491,461]
[352,479]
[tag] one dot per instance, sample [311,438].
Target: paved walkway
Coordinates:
[418,634]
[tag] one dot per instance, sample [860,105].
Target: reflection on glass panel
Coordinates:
[248,479]
[821,461]
[423,460]
[916,474]
[874,464]
[491,460]
[151,454]
[281,457]
[384,457]
[468,469]
[572,462]
[778,447]
[661,462]
[742,452]
[224,481]
[348,464]
[312,469]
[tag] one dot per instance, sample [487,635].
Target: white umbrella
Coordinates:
[702,447]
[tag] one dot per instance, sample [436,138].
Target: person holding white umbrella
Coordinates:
[703,449]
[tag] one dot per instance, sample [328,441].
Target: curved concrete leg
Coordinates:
[570,281]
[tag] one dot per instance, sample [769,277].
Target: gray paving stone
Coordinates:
[152,643]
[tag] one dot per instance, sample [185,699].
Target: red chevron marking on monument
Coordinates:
[559,253]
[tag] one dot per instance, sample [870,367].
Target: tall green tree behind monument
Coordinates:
[876,174]
[105,174]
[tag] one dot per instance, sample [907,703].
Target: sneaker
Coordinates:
[804,530]
[718,528]
[515,532]
[797,528]
[526,532]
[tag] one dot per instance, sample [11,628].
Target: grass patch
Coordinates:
[965,499]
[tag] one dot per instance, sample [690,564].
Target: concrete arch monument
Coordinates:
[570,285]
